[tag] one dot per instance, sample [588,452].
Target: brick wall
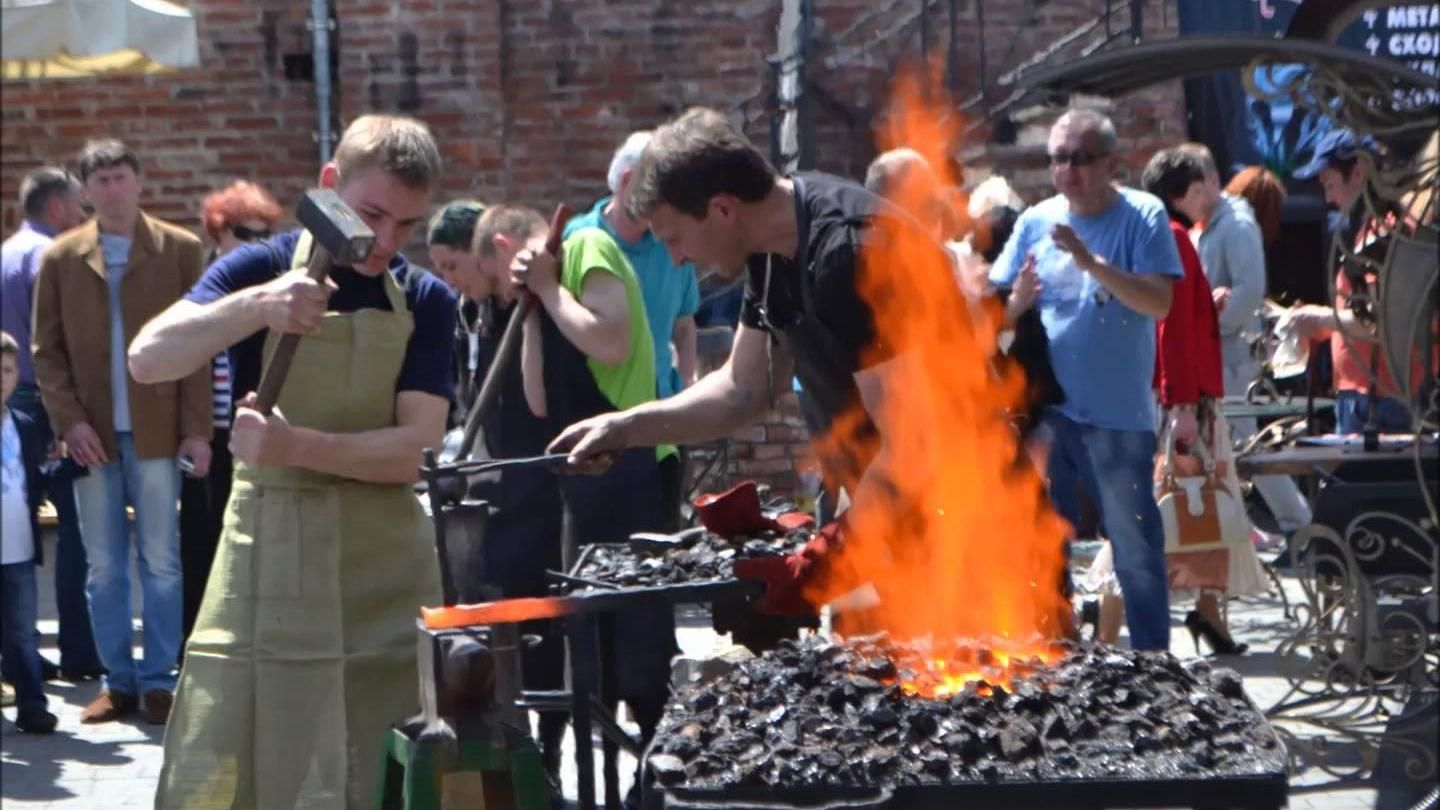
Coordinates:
[529,97]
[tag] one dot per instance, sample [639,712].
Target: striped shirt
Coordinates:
[220,379]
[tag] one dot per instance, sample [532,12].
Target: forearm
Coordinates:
[685,337]
[711,409]
[1352,326]
[1014,308]
[197,404]
[385,456]
[596,338]
[1141,293]
[532,366]
[1322,321]
[187,335]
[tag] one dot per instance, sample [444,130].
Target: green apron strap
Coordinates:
[394,293]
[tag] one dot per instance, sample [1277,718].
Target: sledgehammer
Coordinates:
[342,238]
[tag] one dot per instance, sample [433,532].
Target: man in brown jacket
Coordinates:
[98,284]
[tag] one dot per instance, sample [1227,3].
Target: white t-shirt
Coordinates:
[17,542]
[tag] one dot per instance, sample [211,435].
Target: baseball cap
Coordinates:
[1337,144]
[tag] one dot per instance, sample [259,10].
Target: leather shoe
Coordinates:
[109,706]
[35,721]
[157,706]
[49,670]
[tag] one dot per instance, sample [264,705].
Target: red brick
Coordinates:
[625,65]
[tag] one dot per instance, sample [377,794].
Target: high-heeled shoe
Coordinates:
[1199,627]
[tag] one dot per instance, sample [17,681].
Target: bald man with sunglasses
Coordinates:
[1099,262]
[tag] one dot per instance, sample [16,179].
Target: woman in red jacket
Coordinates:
[1189,385]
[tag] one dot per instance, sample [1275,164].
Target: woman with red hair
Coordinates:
[1265,193]
[240,213]
[233,217]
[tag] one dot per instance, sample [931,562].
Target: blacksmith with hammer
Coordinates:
[304,649]
[714,200]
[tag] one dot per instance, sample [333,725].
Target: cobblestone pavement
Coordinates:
[116,765]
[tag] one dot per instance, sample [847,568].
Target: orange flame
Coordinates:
[962,543]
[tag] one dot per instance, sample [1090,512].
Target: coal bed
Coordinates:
[818,720]
[707,558]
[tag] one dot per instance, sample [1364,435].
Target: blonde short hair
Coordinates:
[403,147]
[514,221]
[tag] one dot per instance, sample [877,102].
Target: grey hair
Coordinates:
[626,157]
[1081,120]
[40,185]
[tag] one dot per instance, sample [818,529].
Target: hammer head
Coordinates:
[335,227]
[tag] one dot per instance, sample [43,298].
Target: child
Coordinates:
[23,444]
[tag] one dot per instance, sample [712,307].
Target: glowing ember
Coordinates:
[925,670]
[963,543]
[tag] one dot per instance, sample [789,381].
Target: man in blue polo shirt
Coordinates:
[1099,261]
[671,298]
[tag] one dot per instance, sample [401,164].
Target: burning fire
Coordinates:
[962,543]
[980,668]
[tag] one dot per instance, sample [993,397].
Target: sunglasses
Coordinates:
[245,234]
[1076,158]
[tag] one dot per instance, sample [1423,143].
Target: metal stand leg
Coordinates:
[610,699]
[581,632]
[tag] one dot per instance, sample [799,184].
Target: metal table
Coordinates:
[1239,408]
[1357,661]
[1307,460]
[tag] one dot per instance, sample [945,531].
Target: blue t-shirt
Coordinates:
[1102,351]
[427,357]
[669,292]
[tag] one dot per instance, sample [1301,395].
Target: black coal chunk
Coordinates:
[668,769]
[706,558]
[1019,739]
[1228,683]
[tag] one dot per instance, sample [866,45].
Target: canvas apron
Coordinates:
[304,649]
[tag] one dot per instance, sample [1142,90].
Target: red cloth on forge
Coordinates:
[1187,356]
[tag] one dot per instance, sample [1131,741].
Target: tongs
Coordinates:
[552,461]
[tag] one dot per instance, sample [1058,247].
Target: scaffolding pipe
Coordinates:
[320,60]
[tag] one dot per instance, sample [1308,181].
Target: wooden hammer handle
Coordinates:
[509,342]
[316,268]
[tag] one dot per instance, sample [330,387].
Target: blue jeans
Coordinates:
[152,487]
[1116,468]
[77,643]
[1352,409]
[17,634]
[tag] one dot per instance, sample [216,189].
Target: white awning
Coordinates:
[71,38]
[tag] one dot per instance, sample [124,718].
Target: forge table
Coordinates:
[588,684]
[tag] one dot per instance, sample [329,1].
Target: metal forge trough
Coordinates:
[871,723]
